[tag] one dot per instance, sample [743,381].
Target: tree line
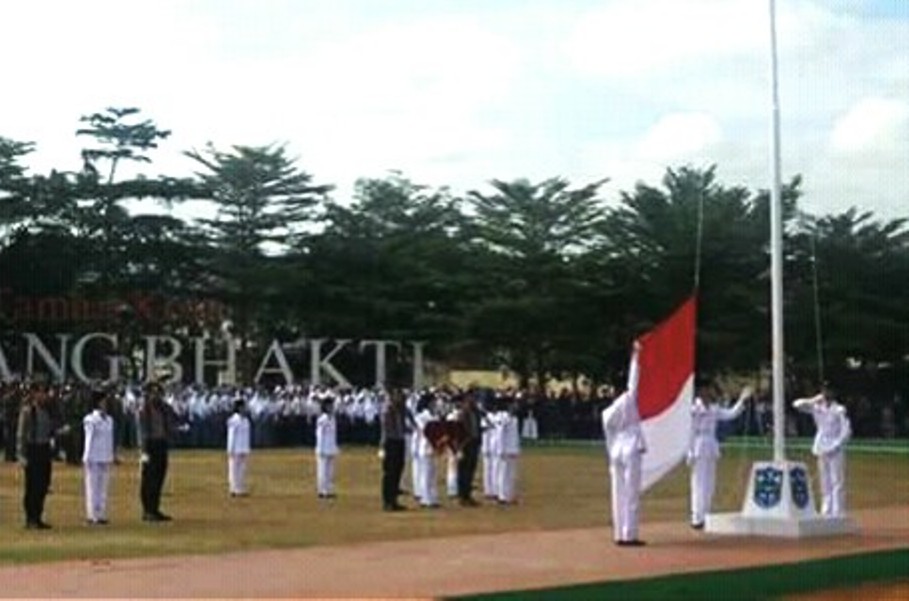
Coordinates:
[548,278]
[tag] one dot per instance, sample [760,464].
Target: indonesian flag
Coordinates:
[666,391]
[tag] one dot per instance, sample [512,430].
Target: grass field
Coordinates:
[753,584]
[560,487]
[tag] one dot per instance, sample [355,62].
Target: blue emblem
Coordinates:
[768,487]
[798,480]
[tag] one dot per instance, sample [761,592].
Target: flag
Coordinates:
[666,391]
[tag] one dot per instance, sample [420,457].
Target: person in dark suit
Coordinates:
[156,426]
[469,418]
[392,451]
[33,437]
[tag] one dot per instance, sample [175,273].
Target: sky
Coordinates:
[458,92]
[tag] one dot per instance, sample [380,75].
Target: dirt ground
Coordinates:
[451,566]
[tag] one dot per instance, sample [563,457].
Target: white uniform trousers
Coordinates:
[490,490]
[236,474]
[325,474]
[626,487]
[415,479]
[451,474]
[97,481]
[506,475]
[703,483]
[429,487]
[832,470]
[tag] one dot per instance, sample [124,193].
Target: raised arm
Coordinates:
[736,410]
[807,404]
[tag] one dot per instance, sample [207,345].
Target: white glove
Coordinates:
[144,458]
[381,454]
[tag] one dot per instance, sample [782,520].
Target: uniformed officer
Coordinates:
[326,449]
[155,430]
[833,431]
[238,449]
[392,450]
[625,447]
[33,437]
[704,449]
[97,457]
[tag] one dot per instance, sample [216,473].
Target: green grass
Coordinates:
[560,487]
[752,584]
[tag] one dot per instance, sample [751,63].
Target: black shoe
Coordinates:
[698,526]
[102,522]
[630,543]
[43,525]
[163,517]
[394,507]
[468,502]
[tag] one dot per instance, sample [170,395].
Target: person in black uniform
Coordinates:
[155,429]
[469,418]
[33,448]
[392,443]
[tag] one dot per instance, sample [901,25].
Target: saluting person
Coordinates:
[704,450]
[238,449]
[833,431]
[625,447]
[97,458]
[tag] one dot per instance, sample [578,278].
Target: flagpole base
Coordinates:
[780,504]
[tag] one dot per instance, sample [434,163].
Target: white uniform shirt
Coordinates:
[509,438]
[99,438]
[622,422]
[704,418]
[833,426]
[238,430]
[326,435]
[424,447]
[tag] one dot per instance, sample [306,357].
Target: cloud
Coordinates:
[679,136]
[871,124]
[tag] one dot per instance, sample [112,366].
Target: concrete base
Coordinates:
[793,527]
[779,503]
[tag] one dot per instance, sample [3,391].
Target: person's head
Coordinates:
[828,391]
[327,404]
[468,400]
[239,406]
[154,392]
[99,400]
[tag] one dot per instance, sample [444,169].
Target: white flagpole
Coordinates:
[776,256]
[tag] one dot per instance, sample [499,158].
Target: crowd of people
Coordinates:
[460,429]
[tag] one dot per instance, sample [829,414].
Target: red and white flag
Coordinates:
[666,391]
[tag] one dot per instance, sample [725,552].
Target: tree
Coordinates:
[654,237]
[531,235]
[265,203]
[391,264]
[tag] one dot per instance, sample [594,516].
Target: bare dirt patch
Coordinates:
[446,566]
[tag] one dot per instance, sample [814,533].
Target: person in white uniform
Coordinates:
[326,450]
[97,458]
[238,449]
[509,448]
[451,463]
[704,449]
[625,447]
[833,431]
[486,452]
[426,458]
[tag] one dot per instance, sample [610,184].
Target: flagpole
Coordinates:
[776,256]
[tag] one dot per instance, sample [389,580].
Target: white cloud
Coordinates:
[871,124]
[679,136]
